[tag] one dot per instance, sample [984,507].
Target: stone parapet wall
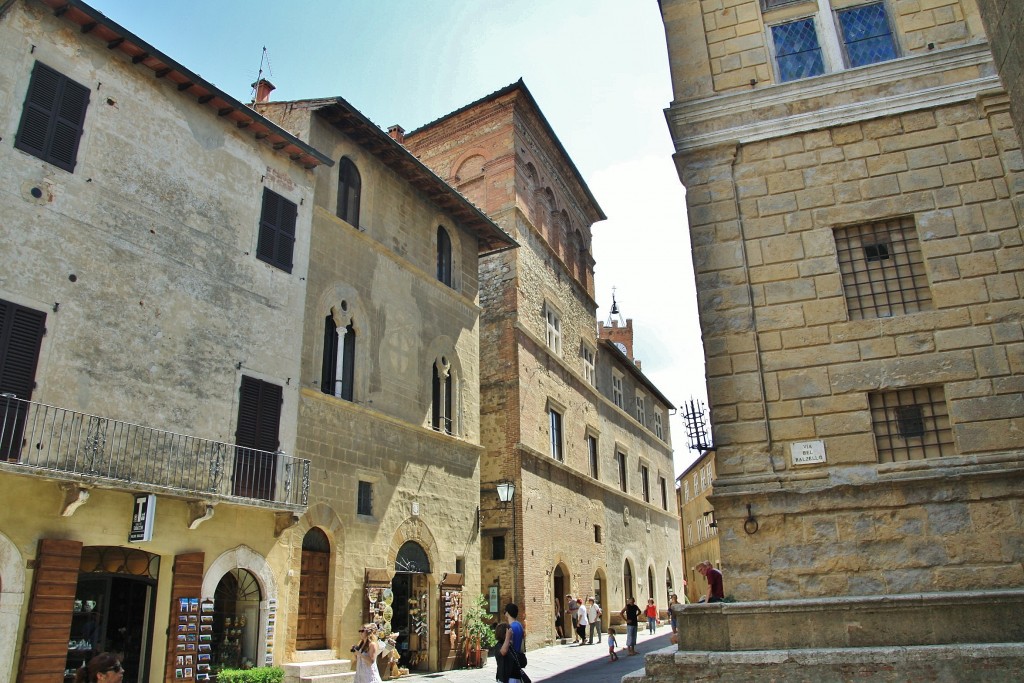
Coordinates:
[992,663]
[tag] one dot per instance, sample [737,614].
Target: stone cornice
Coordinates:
[898,86]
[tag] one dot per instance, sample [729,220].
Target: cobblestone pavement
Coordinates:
[563,663]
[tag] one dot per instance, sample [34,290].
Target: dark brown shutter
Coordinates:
[48,624]
[53,118]
[21,334]
[276,240]
[187,582]
[259,421]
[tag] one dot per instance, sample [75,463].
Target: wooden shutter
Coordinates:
[48,624]
[21,334]
[187,582]
[259,421]
[276,240]
[53,117]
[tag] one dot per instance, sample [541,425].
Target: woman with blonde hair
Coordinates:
[366,651]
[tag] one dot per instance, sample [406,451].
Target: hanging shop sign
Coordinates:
[142,518]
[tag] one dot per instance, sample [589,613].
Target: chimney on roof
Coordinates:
[397,133]
[263,89]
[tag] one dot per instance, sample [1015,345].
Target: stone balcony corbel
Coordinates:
[75,496]
[198,512]
[284,521]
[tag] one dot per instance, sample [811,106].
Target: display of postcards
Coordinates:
[202,677]
[188,672]
[190,647]
[205,648]
[182,618]
[202,667]
[207,606]
[179,660]
[193,604]
[205,627]
[191,627]
[204,658]
[183,604]
[272,603]
[179,673]
[206,618]
[182,628]
[188,660]
[182,637]
[181,647]
[204,637]
[190,637]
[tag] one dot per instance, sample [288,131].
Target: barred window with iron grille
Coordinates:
[911,424]
[882,269]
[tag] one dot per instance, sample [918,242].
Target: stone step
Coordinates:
[323,671]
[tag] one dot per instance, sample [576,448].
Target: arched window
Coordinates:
[444,256]
[349,188]
[412,559]
[338,373]
[441,397]
[627,580]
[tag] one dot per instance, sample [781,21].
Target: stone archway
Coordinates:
[12,598]
[244,557]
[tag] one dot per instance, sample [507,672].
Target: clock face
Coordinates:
[620,346]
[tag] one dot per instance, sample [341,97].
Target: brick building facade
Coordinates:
[592,512]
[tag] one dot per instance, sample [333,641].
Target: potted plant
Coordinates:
[477,633]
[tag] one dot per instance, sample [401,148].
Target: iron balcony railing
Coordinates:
[78,446]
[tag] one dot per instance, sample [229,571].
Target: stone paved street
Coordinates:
[563,663]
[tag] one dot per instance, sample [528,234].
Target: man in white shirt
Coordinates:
[582,621]
[594,617]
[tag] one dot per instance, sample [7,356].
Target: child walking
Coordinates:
[611,646]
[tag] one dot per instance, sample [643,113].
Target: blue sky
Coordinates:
[597,68]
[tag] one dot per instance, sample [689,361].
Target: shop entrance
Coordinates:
[113,609]
[560,586]
[312,623]
[236,620]
[411,606]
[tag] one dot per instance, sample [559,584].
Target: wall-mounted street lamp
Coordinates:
[506,492]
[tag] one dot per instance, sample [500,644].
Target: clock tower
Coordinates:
[617,331]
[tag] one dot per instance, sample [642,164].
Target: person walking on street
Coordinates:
[631,614]
[652,617]
[571,608]
[594,617]
[582,621]
[514,639]
[672,601]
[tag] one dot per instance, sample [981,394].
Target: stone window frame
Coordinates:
[587,356]
[617,393]
[645,480]
[641,407]
[825,17]
[912,423]
[593,444]
[659,427]
[364,498]
[882,268]
[622,466]
[553,327]
[556,447]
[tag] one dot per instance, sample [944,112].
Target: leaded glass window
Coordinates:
[867,35]
[797,51]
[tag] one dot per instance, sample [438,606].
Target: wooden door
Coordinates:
[312,627]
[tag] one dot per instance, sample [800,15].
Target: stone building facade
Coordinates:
[1004,22]
[698,528]
[591,513]
[389,398]
[156,234]
[854,200]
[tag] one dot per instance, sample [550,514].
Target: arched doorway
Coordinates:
[311,632]
[236,619]
[559,588]
[597,592]
[627,581]
[411,616]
